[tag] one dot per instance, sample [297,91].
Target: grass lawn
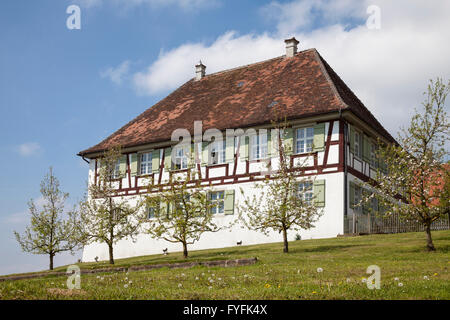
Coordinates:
[407,272]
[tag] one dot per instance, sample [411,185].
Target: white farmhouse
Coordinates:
[328,125]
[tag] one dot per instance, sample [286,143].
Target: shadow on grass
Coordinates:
[325,248]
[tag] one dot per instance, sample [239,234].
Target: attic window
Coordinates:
[273,103]
[240,83]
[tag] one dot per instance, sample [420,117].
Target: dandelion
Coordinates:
[267,286]
[435,274]
[245,275]
[180,285]
[125,286]
[131,282]
[314,292]
[209,287]
[426,278]
[348,280]
[98,277]
[203,274]
[319,270]
[196,278]
[233,277]
[400,284]
[182,274]
[298,271]
[213,275]
[364,280]
[396,279]
[220,279]
[211,281]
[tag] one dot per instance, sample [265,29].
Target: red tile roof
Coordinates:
[303,85]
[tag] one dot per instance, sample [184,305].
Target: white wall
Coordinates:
[329,225]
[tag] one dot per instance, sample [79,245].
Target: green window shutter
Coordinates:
[319,137]
[366,149]
[288,141]
[205,153]
[229,202]
[123,165]
[229,149]
[269,144]
[163,208]
[155,161]
[352,139]
[134,164]
[243,150]
[352,195]
[168,159]
[319,193]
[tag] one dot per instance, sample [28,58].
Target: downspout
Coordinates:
[345,165]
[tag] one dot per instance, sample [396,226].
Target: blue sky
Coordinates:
[63,90]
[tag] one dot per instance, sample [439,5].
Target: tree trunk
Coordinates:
[430,245]
[185,251]
[111,254]
[51,261]
[285,241]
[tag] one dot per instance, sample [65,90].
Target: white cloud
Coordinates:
[29,149]
[117,74]
[174,67]
[388,69]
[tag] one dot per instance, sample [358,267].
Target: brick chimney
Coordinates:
[291,47]
[199,71]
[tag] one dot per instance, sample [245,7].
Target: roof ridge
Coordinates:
[253,64]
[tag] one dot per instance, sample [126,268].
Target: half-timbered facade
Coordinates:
[328,126]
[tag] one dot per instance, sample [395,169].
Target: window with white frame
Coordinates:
[304,138]
[180,158]
[217,202]
[116,171]
[305,191]
[145,161]
[358,144]
[217,152]
[258,145]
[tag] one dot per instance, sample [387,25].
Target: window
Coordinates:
[373,155]
[305,191]
[358,144]
[259,146]
[217,152]
[217,202]
[145,163]
[151,212]
[304,140]
[116,171]
[181,159]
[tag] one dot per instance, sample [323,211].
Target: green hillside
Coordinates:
[407,272]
